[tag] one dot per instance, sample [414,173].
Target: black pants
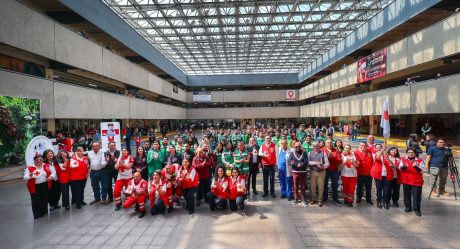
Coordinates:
[203,188]
[269,172]
[111,177]
[159,207]
[39,200]
[364,181]
[412,197]
[190,201]
[215,202]
[78,188]
[394,190]
[65,194]
[383,189]
[253,171]
[54,194]
[238,202]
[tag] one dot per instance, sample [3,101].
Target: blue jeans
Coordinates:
[99,184]
[334,176]
[285,184]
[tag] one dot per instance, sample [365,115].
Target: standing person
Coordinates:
[189,180]
[364,157]
[63,172]
[236,191]
[78,174]
[241,160]
[428,142]
[151,134]
[268,153]
[298,159]
[173,158]
[128,137]
[394,160]
[370,144]
[330,130]
[318,162]
[426,129]
[217,197]
[154,159]
[412,178]
[382,173]
[436,158]
[111,157]
[218,152]
[98,174]
[55,192]
[349,175]
[307,144]
[202,166]
[254,162]
[227,158]
[414,144]
[188,153]
[38,177]
[159,193]
[339,145]
[284,170]
[137,190]
[124,165]
[332,172]
[140,163]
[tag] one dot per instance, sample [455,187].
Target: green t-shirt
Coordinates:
[239,155]
[260,140]
[155,159]
[307,147]
[301,135]
[219,158]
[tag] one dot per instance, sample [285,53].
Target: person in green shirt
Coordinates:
[260,138]
[245,137]
[301,133]
[154,159]
[164,148]
[277,138]
[219,151]
[307,144]
[227,158]
[180,146]
[241,160]
[321,136]
[284,137]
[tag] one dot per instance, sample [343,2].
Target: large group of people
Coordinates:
[222,168]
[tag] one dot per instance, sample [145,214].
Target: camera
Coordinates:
[448,150]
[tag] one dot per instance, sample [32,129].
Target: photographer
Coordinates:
[437,158]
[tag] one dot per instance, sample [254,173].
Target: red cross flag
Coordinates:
[385,121]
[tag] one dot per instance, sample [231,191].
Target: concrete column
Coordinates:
[51,125]
[373,125]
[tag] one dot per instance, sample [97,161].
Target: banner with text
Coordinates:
[372,66]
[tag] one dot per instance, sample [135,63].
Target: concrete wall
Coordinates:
[246,96]
[437,41]
[29,30]
[435,96]
[61,100]
[250,112]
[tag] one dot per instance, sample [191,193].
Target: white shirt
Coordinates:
[348,172]
[38,174]
[97,160]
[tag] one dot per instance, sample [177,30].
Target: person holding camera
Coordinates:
[436,164]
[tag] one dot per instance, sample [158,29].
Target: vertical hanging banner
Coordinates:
[110,132]
[372,66]
[290,95]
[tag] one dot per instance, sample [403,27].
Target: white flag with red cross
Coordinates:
[385,121]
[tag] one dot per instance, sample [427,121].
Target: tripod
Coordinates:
[453,176]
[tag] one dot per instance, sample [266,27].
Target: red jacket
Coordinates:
[271,150]
[63,172]
[31,182]
[233,188]
[397,170]
[78,168]
[410,175]
[335,159]
[376,170]
[202,166]
[190,178]
[365,162]
[165,195]
[221,189]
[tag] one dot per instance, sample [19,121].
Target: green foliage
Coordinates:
[19,123]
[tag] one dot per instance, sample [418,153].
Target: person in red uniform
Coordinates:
[63,173]
[190,181]
[364,157]
[349,175]
[159,192]
[332,172]
[202,165]
[394,160]
[412,179]
[268,153]
[168,175]
[371,143]
[55,191]
[217,197]
[236,190]
[124,166]
[38,177]
[137,190]
[78,174]
[382,173]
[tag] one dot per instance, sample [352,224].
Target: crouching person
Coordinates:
[137,189]
[160,192]
[217,197]
[236,191]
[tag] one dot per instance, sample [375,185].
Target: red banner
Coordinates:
[372,66]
